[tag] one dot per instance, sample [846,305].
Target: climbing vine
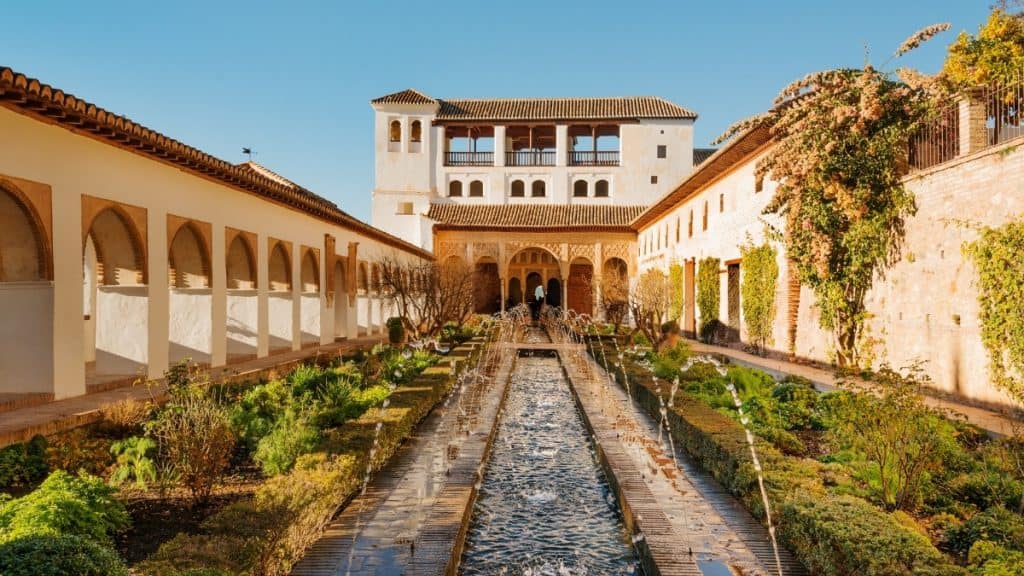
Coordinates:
[757,291]
[994,56]
[675,286]
[841,140]
[997,256]
[708,292]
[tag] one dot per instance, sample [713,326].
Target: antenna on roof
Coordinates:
[248,152]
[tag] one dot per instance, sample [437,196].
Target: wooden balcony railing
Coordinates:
[530,158]
[469,159]
[593,158]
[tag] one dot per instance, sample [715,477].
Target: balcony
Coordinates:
[593,157]
[469,159]
[530,158]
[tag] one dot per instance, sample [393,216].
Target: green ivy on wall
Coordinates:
[708,291]
[675,282]
[757,291]
[997,256]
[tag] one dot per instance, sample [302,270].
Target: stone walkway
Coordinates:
[993,422]
[688,521]
[22,424]
[412,515]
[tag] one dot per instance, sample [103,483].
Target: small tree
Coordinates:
[427,295]
[708,292]
[760,278]
[649,303]
[840,155]
[994,56]
[615,295]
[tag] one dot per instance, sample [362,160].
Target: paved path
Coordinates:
[413,513]
[993,422]
[21,424]
[686,517]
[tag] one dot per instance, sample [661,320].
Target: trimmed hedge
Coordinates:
[268,534]
[833,535]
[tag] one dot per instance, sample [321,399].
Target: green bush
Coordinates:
[23,464]
[990,559]
[396,330]
[58,555]
[292,436]
[64,505]
[997,524]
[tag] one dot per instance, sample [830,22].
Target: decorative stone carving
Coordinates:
[449,248]
[581,251]
[485,250]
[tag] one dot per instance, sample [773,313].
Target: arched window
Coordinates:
[279,269]
[476,188]
[395,132]
[187,260]
[601,189]
[416,131]
[310,272]
[579,189]
[689,232]
[23,254]
[537,189]
[518,189]
[455,188]
[705,223]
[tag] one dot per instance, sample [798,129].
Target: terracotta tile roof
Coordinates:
[408,96]
[737,150]
[702,154]
[627,108]
[533,216]
[32,98]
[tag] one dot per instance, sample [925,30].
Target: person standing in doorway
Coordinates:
[538,300]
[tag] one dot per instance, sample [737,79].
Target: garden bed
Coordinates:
[825,501]
[303,446]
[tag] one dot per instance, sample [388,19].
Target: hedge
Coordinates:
[833,535]
[268,534]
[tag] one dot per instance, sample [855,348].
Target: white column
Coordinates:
[296,265]
[68,300]
[219,293]
[561,145]
[499,145]
[327,314]
[159,294]
[262,299]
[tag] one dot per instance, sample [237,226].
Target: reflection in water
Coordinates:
[544,506]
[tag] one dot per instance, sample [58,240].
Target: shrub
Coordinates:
[126,416]
[990,559]
[902,440]
[64,505]
[58,555]
[292,436]
[79,450]
[996,524]
[708,294]
[396,330]
[23,464]
[194,434]
[133,462]
[759,280]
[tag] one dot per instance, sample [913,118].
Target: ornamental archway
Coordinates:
[529,268]
[580,289]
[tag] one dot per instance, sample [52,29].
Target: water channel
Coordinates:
[545,506]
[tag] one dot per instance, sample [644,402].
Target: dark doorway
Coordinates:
[734,301]
[487,288]
[515,292]
[581,291]
[554,295]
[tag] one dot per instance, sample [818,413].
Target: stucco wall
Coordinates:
[243,314]
[26,330]
[122,335]
[191,329]
[309,324]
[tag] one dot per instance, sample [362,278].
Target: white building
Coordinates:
[552,151]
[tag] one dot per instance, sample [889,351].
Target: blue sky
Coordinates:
[292,80]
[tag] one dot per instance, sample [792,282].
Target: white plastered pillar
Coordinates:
[219,293]
[159,294]
[296,265]
[68,300]
[262,298]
